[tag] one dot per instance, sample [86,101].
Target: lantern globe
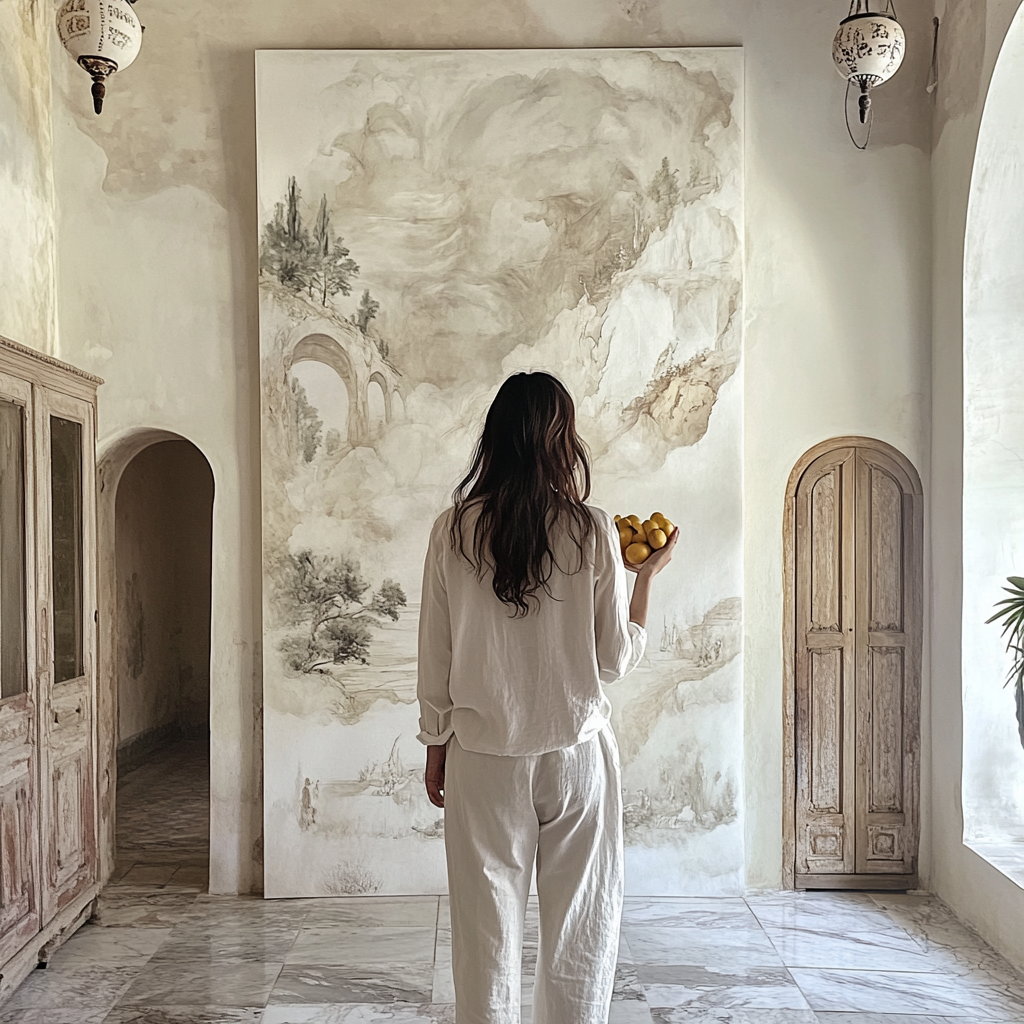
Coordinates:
[103,37]
[869,48]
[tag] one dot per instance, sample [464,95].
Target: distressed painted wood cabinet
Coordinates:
[48,826]
[853,644]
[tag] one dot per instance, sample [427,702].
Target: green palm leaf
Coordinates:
[1010,612]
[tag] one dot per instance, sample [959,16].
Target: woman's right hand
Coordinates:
[433,775]
[656,560]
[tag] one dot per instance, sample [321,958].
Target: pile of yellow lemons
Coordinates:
[638,539]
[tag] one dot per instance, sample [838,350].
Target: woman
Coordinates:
[524,615]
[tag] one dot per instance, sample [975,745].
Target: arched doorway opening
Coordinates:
[993,479]
[162,566]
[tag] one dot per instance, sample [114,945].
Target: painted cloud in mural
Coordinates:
[430,223]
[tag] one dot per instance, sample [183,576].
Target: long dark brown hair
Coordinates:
[530,474]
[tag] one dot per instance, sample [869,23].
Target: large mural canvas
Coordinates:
[431,222]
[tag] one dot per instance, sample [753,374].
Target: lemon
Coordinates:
[657,538]
[635,520]
[625,536]
[637,553]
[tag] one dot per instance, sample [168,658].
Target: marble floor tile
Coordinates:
[227,944]
[172,983]
[184,1015]
[856,950]
[443,985]
[726,948]
[81,986]
[53,1015]
[630,1011]
[111,947]
[899,992]
[386,983]
[349,944]
[826,1017]
[155,875]
[695,911]
[948,941]
[730,1015]
[135,909]
[769,988]
[360,1013]
[191,877]
[375,911]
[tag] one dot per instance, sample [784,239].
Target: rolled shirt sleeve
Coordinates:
[435,647]
[620,643]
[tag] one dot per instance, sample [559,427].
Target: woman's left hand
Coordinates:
[434,774]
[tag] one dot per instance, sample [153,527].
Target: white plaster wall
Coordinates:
[27,255]
[993,783]
[158,231]
[973,33]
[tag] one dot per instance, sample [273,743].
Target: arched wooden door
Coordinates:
[853,667]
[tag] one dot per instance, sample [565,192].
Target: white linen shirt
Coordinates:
[527,685]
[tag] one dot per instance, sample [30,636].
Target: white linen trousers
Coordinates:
[564,808]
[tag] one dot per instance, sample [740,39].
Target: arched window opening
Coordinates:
[376,409]
[993,509]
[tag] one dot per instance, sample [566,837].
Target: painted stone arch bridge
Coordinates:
[356,360]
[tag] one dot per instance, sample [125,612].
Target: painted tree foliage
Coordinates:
[308,425]
[318,262]
[331,597]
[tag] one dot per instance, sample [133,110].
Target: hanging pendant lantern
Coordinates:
[103,36]
[868,50]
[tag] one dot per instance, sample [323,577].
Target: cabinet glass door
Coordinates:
[13,666]
[20,898]
[65,500]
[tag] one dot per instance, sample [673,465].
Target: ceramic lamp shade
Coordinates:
[103,36]
[868,49]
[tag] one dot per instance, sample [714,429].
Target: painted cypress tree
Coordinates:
[334,267]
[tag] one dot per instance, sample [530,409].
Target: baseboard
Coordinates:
[40,947]
[887,883]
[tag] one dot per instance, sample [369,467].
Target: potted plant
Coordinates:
[1011,613]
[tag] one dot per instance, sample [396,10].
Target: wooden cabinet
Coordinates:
[48,828]
[853,667]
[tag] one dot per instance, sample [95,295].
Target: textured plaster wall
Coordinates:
[973,34]
[27,263]
[164,509]
[158,234]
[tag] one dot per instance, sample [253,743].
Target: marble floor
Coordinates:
[160,950]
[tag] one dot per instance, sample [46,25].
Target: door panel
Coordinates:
[886,832]
[20,898]
[67,606]
[824,663]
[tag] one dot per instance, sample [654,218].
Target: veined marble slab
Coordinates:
[904,992]
[770,988]
[353,945]
[360,1013]
[386,983]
